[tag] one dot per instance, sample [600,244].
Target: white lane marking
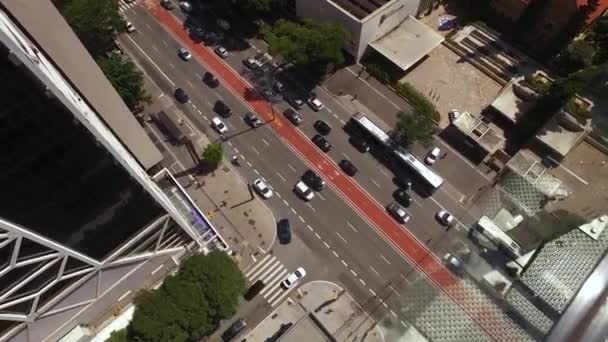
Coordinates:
[375,183]
[301,219]
[372,292]
[150,59]
[393,313]
[171,65]
[392,288]
[342,122]
[362,281]
[344,263]
[281,176]
[278,194]
[320,196]
[256,171]
[329,110]
[326,245]
[310,228]
[272,279]
[198,75]
[254,275]
[345,156]
[335,116]
[165,42]
[403,323]
[351,227]
[220,96]
[385,173]
[292,168]
[311,207]
[265,142]
[353,272]
[341,237]
[249,164]
[255,266]
[286,203]
[335,254]
[383,304]
[294,211]
[190,84]
[255,150]
[374,270]
[148,26]
[318,236]
[385,259]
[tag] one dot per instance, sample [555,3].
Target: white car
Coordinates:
[294,277]
[184,54]
[315,104]
[431,158]
[262,188]
[130,27]
[218,125]
[454,114]
[221,51]
[185,6]
[302,190]
[445,218]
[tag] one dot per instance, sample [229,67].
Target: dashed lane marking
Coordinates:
[362,282]
[310,228]
[311,207]
[281,176]
[344,263]
[375,183]
[372,292]
[335,254]
[265,142]
[326,245]
[392,288]
[374,270]
[286,203]
[353,272]
[351,226]
[292,168]
[385,259]
[318,236]
[301,219]
[341,237]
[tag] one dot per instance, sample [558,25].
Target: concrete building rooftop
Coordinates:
[514,100]
[488,136]
[559,136]
[360,8]
[530,166]
[408,43]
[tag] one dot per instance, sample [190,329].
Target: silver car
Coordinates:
[398,212]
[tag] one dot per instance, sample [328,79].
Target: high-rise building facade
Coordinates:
[82,222]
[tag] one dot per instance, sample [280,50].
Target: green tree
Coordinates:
[118,336]
[415,127]
[155,319]
[578,55]
[126,79]
[96,22]
[310,43]
[220,279]
[213,155]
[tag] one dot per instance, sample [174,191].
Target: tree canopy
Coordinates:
[213,155]
[415,127]
[309,43]
[190,304]
[96,22]
[126,79]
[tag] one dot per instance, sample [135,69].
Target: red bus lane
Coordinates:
[487,315]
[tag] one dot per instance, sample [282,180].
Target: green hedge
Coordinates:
[418,100]
[378,73]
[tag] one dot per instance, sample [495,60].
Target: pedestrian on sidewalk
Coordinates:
[445,154]
[354,97]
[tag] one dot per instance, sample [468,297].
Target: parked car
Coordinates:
[167,4]
[262,188]
[321,143]
[313,180]
[210,38]
[130,27]
[348,167]
[211,80]
[302,190]
[184,54]
[234,330]
[254,289]
[251,62]
[181,95]
[294,277]
[431,158]
[454,263]
[403,198]
[292,116]
[185,6]
[284,231]
[445,218]
[278,86]
[252,120]
[398,212]
[359,143]
[453,115]
[268,94]
[315,103]
[221,51]
[198,32]
[219,125]
[222,109]
[322,127]
[293,100]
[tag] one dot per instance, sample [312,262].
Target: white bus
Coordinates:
[429,176]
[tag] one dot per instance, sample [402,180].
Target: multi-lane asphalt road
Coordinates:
[338,240]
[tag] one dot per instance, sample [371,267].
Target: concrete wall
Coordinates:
[384,20]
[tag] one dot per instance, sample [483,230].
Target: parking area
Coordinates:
[451,82]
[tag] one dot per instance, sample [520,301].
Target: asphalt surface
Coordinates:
[333,241]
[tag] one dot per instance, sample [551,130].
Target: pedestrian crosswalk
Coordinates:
[271,272]
[124,5]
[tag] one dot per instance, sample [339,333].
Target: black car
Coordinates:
[322,143]
[167,4]
[284,231]
[198,33]
[268,94]
[296,102]
[322,127]
[278,86]
[404,182]
[252,120]
[359,143]
[254,290]
[181,96]
[293,116]
[348,167]
[211,80]
[403,198]
[222,109]
[210,38]
[313,180]
[234,330]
